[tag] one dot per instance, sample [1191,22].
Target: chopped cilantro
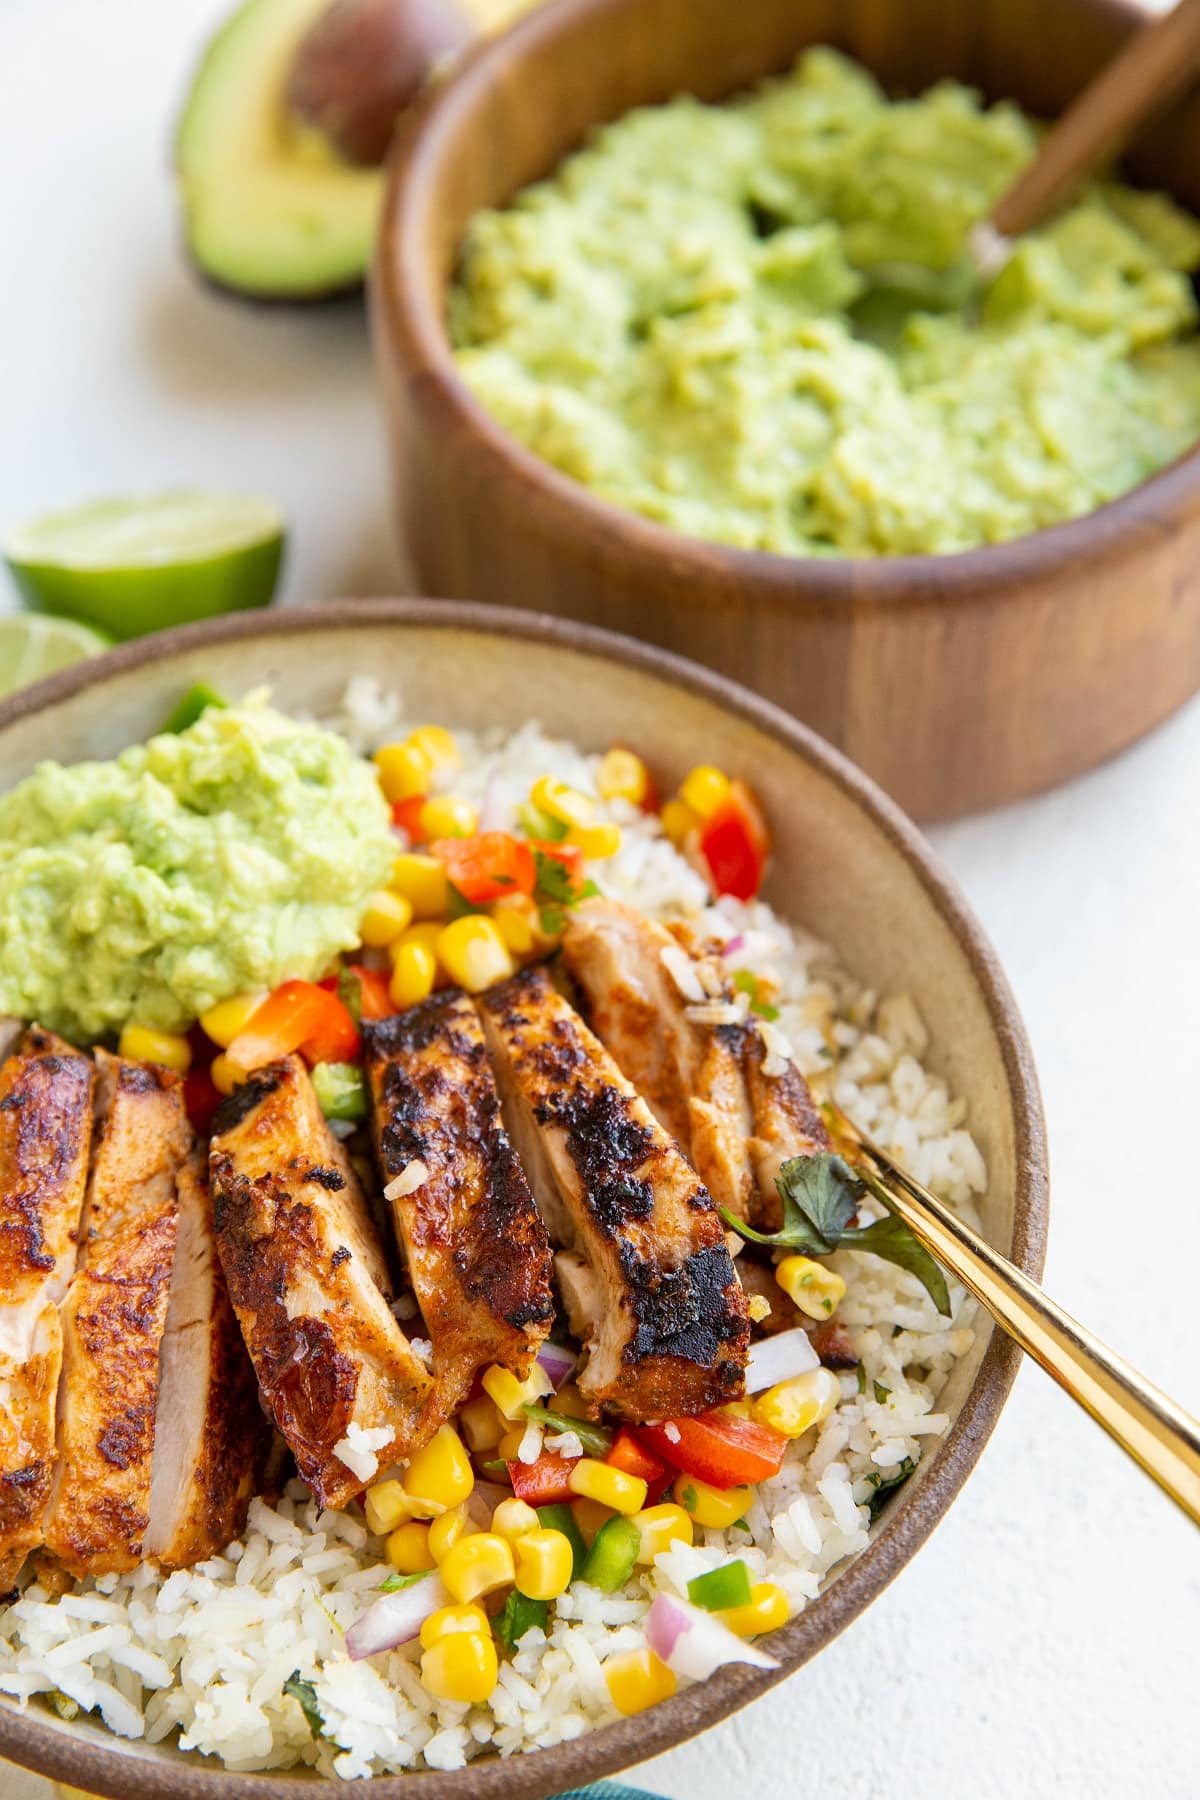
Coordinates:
[861,1378]
[395,1582]
[305,1695]
[881,1392]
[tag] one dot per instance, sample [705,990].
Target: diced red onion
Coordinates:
[694,1643]
[778,1358]
[732,945]
[395,1619]
[558,1363]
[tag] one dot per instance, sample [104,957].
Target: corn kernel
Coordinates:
[480,1425]
[437,745]
[224,1075]
[570,1402]
[623,776]
[759,1307]
[407,1548]
[463,1666]
[703,789]
[736,1409]
[478,1565]
[386,1507]
[414,971]
[450,1621]
[815,1289]
[705,1505]
[679,821]
[509,1394]
[445,815]
[637,1680]
[140,1044]
[404,770]
[612,1487]
[386,916]
[566,804]
[596,841]
[590,1515]
[660,1527]
[794,1407]
[446,1531]
[473,953]
[512,1518]
[545,1562]
[517,922]
[440,1473]
[422,881]
[766,1610]
[223,1021]
[509,1446]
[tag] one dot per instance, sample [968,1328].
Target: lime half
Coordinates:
[136,565]
[31,646]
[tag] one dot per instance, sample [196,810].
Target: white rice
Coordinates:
[203,1654]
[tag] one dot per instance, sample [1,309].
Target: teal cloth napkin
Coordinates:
[608,1790]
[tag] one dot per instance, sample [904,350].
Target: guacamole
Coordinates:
[216,861]
[677,320]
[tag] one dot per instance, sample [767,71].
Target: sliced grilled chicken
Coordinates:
[113,1318]
[310,1287]
[45,1137]
[703,1077]
[644,1268]
[477,1252]
[211,1437]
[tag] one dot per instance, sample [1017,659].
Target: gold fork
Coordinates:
[1147,1424]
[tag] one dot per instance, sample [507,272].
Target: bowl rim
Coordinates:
[104,1767]
[403,318]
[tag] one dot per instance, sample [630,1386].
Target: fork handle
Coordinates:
[1157,62]
[1146,1423]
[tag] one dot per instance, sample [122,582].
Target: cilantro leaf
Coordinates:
[886,1484]
[305,1695]
[824,1189]
[747,983]
[881,1392]
[891,1239]
[554,891]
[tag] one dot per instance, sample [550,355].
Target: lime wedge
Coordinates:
[140,564]
[31,646]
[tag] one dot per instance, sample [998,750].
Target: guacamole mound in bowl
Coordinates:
[675,319]
[217,860]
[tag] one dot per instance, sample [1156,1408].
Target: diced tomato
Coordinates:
[718,1448]
[735,844]
[374,1000]
[635,1459]
[407,814]
[299,1015]
[544,1482]
[569,855]
[201,1098]
[487,866]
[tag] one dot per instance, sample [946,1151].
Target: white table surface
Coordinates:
[1044,1642]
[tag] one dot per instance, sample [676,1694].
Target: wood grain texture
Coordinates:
[958,681]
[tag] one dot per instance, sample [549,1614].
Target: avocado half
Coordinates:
[270,210]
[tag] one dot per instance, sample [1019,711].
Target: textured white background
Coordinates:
[1045,1642]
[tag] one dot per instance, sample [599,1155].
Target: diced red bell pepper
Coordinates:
[487,866]
[299,1015]
[635,1459]
[407,814]
[718,1448]
[735,843]
[201,1098]
[544,1482]
[374,998]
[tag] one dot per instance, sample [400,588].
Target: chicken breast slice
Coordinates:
[476,1249]
[310,1287]
[646,990]
[45,1137]
[644,1268]
[211,1437]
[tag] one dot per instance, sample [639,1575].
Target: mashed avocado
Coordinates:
[671,320]
[222,859]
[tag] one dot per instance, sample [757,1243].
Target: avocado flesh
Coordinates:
[269,210]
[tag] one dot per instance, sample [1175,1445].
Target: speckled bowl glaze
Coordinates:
[847,864]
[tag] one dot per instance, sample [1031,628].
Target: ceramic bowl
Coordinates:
[847,864]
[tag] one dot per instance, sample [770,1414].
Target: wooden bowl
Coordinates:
[847,863]
[956,681]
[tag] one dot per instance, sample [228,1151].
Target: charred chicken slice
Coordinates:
[644,1267]
[651,998]
[211,1437]
[477,1252]
[310,1287]
[113,1318]
[45,1137]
